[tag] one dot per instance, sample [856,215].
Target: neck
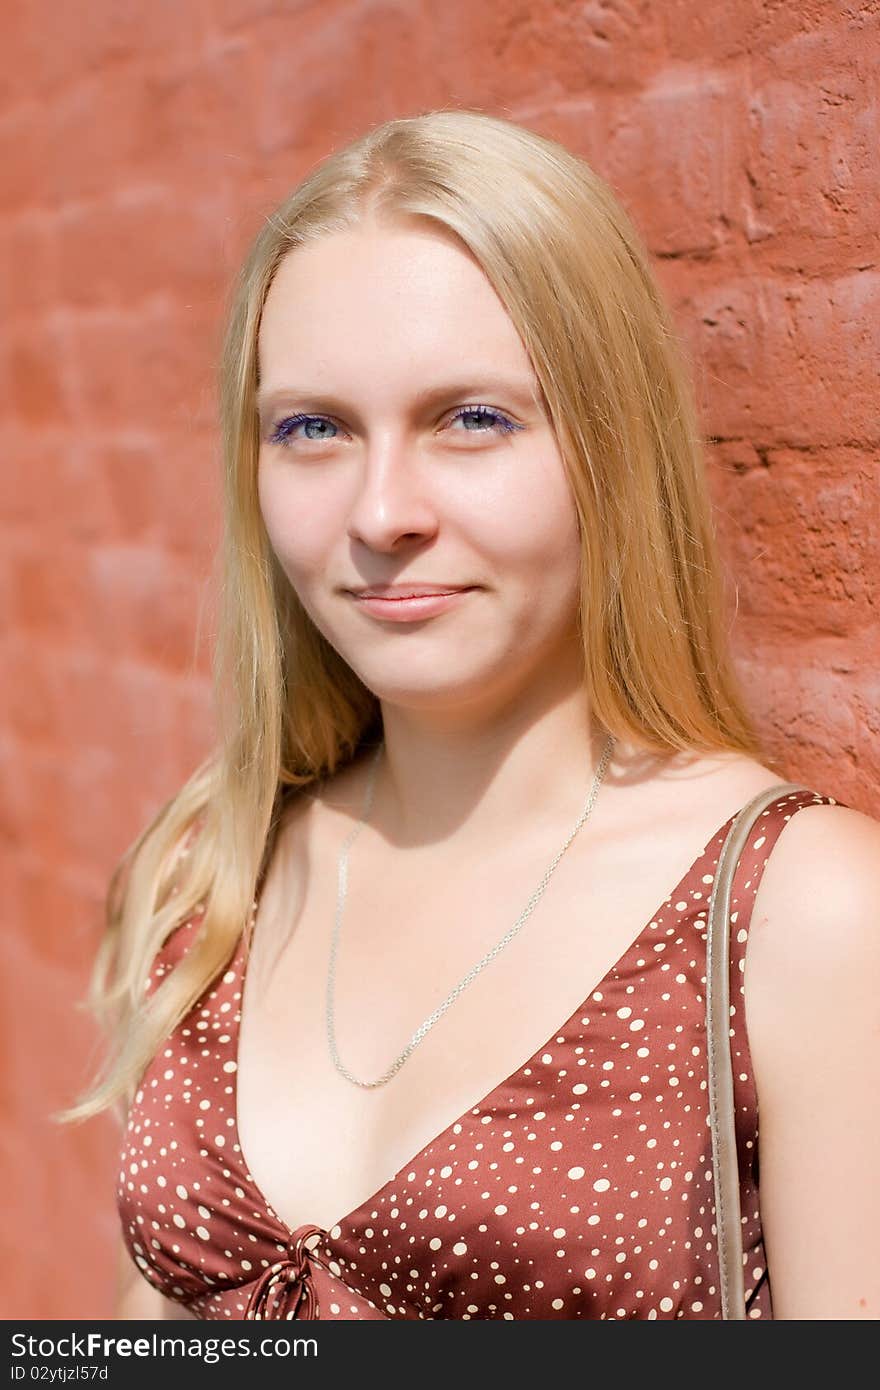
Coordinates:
[485,783]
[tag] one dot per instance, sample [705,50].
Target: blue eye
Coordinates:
[283,430]
[504,425]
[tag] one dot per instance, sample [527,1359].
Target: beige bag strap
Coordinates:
[722,1116]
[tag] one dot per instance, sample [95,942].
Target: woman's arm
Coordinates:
[812,983]
[135,1298]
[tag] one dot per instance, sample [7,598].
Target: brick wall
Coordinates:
[139,145]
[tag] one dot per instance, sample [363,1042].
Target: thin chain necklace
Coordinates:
[438,1013]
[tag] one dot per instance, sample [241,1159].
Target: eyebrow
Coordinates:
[516,388]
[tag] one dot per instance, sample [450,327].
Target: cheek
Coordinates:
[298,531]
[534,528]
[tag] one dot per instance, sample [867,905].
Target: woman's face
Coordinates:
[403,442]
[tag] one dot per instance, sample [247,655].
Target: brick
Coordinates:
[810,152]
[14,798]
[201,133]
[716,29]
[83,692]
[82,138]
[159,489]
[39,379]
[68,915]
[840,40]
[49,593]
[23,155]
[150,365]
[130,472]
[581,124]
[864,779]
[684,201]
[598,46]
[37,1064]
[149,763]
[801,539]
[38,832]
[50,49]
[191,486]
[809,705]
[50,486]
[28,270]
[24,710]
[96,133]
[78,1162]
[809,696]
[22,476]
[142,604]
[303,115]
[238,14]
[193,719]
[50,1053]
[143,240]
[790,360]
[136,739]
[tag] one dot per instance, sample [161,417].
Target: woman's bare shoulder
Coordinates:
[819,896]
[817,905]
[812,966]
[814,921]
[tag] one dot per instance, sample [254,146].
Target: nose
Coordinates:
[392,499]
[286,1288]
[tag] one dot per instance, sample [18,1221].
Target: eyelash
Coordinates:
[282,429]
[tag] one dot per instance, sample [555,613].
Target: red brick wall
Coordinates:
[139,145]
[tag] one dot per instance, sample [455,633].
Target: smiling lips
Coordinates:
[407,603]
[399,591]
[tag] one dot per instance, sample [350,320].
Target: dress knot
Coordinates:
[285,1290]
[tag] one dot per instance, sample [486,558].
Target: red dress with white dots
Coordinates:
[580,1187]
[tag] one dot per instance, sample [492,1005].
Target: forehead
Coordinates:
[404,300]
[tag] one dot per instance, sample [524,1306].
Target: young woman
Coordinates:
[423,943]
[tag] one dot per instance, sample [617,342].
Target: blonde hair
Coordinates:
[573,275]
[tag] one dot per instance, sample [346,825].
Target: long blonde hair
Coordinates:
[573,275]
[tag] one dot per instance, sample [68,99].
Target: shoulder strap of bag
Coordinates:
[721,1102]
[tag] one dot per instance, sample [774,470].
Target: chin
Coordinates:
[404,689]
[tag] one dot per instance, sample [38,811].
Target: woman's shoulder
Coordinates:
[813,936]
[818,898]
[811,970]
[821,884]
[849,836]
[825,856]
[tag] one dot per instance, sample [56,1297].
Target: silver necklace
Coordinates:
[508,936]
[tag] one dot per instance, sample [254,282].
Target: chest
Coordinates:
[317,1145]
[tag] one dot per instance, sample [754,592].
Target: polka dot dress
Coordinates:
[580,1187]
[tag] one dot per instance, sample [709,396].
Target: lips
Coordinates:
[391,591]
[401,607]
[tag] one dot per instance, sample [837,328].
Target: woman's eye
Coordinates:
[283,430]
[483,412]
